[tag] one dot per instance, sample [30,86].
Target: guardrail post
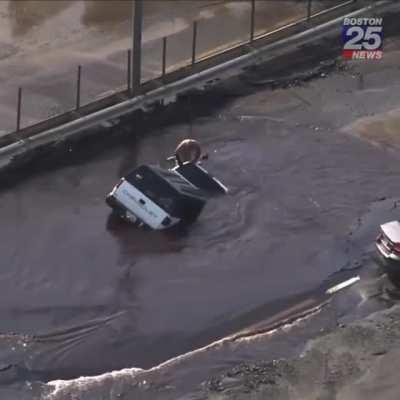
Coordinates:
[194,42]
[309,4]
[78,88]
[19,99]
[252,16]
[164,56]
[129,72]
[137,21]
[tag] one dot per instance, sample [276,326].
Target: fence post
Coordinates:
[137,22]
[252,16]
[129,72]
[78,88]
[309,4]
[194,42]
[164,56]
[19,99]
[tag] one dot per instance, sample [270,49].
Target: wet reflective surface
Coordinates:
[85,294]
[121,297]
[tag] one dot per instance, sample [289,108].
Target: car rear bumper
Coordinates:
[120,209]
[385,252]
[127,214]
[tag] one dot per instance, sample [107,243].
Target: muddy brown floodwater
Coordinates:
[99,295]
[109,296]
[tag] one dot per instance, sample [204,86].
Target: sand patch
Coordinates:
[381,129]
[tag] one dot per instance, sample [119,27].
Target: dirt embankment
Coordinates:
[357,361]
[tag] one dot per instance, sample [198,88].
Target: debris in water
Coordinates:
[106,124]
[343,285]
[314,202]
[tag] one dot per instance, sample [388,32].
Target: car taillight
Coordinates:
[396,247]
[166,221]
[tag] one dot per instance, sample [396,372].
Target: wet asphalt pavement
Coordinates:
[101,295]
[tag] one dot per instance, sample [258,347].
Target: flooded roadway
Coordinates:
[160,295]
[102,295]
[99,296]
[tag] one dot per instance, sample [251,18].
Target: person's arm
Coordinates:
[177,151]
[178,160]
[197,154]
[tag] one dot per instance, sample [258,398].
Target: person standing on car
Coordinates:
[189,150]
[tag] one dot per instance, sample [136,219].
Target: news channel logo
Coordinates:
[362,38]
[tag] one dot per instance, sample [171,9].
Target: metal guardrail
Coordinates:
[166,76]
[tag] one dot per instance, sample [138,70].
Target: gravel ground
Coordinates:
[357,361]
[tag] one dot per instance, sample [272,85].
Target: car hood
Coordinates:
[392,231]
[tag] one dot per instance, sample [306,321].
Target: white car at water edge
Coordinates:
[388,241]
